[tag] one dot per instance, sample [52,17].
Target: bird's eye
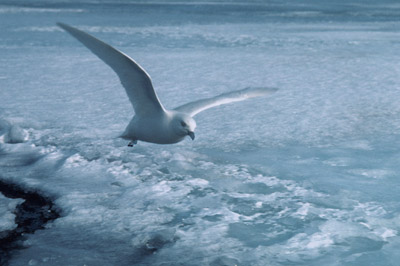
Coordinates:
[183,124]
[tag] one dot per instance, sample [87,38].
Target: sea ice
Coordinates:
[7,216]
[308,177]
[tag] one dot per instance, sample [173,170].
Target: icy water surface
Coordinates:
[308,176]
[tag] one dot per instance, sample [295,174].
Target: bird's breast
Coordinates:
[152,129]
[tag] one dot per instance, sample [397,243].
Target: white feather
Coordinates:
[196,107]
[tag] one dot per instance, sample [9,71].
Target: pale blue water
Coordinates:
[308,176]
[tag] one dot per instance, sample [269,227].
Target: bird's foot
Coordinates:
[133,142]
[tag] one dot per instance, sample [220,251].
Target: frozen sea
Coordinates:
[308,176]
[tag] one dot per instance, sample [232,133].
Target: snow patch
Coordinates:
[372,173]
[16,134]
[7,216]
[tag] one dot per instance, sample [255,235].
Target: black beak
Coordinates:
[191,135]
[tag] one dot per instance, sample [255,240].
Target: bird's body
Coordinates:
[158,128]
[152,122]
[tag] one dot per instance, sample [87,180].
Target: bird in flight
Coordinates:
[152,122]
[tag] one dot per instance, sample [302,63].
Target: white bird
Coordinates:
[152,122]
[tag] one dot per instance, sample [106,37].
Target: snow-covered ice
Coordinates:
[7,207]
[308,177]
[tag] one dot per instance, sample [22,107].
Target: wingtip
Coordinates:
[63,26]
[260,90]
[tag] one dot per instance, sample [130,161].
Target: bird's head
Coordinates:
[184,125]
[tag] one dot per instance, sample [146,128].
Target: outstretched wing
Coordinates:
[196,107]
[136,81]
